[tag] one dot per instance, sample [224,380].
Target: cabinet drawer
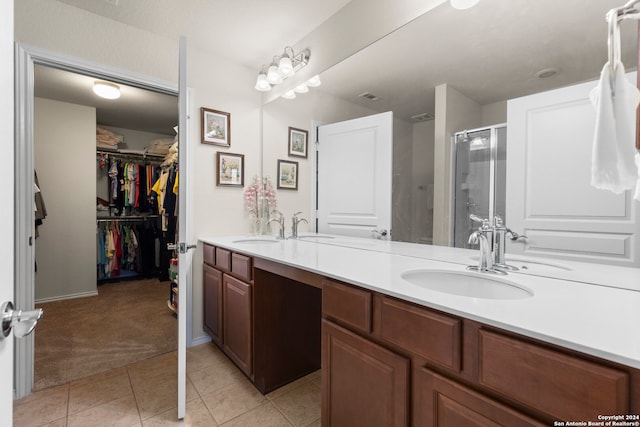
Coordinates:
[431,335]
[209,254]
[348,305]
[241,266]
[563,386]
[223,259]
[445,403]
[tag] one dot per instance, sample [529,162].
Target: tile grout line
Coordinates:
[282,412]
[135,398]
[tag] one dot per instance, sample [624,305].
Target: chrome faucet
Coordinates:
[280,221]
[484,237]
[501,232]
[294,224]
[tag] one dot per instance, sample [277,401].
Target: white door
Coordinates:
[184,228]
[354,177]
[549,196]
[6,224]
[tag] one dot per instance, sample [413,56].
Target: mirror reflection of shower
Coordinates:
[479,176]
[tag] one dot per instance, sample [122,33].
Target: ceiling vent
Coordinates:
[423,117]
[369,96]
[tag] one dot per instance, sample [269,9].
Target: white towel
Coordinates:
[613,164]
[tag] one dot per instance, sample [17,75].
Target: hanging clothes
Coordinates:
[125,248]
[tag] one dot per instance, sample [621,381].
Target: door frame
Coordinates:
[26,57]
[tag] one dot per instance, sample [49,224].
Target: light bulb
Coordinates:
[314,81]
[289,95]
[301,88]
[285,67]
[273,75]
[106,90]
[463,4]
[262,84]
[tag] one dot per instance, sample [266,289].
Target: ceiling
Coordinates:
[259,30]
[490,52]
[138,109]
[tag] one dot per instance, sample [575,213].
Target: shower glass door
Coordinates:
[479,179]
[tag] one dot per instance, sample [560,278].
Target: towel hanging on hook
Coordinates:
[614,165]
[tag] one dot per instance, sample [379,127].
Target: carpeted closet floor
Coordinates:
[128,321]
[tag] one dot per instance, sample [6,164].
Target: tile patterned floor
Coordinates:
[143,394]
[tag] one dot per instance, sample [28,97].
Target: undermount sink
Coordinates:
[256,240]
[468,284]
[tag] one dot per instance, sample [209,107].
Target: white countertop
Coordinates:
[599,319]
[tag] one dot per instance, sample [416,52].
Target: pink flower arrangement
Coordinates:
[260,198]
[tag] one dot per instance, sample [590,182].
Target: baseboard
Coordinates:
[70,296]
[200,340]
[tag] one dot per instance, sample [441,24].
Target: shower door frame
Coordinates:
[493,153]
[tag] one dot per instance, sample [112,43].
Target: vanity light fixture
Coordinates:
[463,4]
[106,90]
[282,67]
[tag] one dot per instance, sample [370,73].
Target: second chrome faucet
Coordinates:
[491,240]
[294,224]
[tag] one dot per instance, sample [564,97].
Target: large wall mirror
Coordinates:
[496,51]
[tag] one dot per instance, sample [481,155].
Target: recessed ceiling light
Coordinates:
[547,72]
[463,4]
[106,90]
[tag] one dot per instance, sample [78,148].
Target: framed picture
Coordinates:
[216,127]
[287,175]
[230,169]
[298,142]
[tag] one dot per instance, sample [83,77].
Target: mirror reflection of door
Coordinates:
[354,177]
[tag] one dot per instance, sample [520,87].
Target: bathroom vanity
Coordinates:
[395,353]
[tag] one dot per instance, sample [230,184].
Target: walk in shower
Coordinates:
[479,179]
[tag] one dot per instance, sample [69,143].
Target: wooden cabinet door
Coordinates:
[212,290]
[445,403]
[363,384]
[236,314]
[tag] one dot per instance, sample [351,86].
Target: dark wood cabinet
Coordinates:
[445,403]
[462,372]
[363,384]
[561,385]
[212,298]
[236,324]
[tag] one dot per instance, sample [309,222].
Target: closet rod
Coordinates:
[145,157]
[129,218]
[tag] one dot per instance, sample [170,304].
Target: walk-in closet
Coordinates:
[106,193]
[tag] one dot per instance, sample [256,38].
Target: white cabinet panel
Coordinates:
[549,196]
